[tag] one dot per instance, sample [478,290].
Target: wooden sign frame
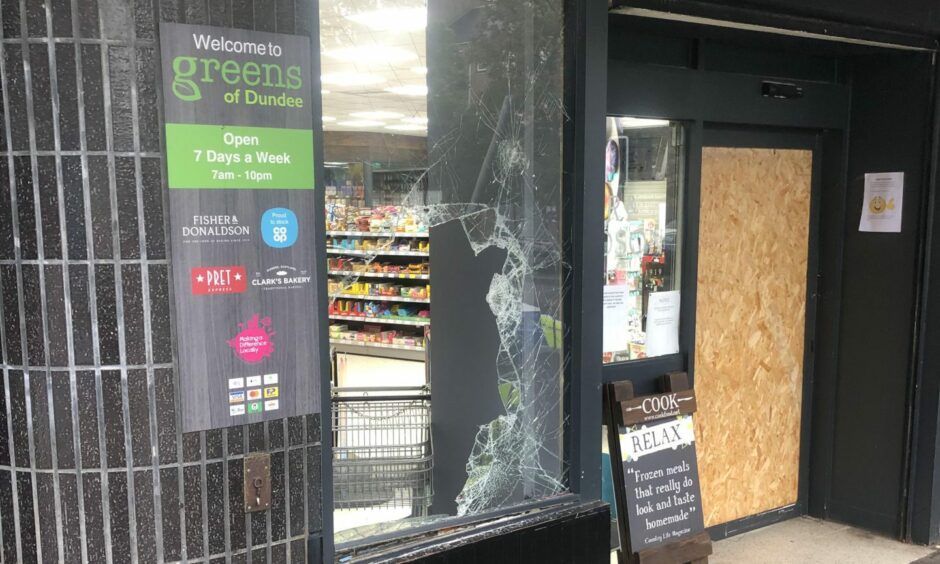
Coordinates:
[624,408]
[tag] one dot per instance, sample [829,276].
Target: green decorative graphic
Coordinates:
[238,157]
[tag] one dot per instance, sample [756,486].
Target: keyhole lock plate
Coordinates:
[257,482]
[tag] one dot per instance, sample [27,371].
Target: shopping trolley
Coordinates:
[382,455]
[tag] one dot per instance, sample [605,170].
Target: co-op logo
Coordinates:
[279,228]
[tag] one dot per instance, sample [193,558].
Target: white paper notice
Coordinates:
[616,323]
[883,203]
[662,323]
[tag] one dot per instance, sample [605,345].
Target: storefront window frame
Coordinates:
[689,147]
[585,66]
[325,544]
[680,147]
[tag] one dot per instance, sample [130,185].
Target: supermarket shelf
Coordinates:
[377,253]
[400,235]
[403,352]
[398,170]
[384,320]
[382,298]
[380,275]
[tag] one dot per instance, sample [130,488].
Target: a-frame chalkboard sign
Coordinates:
[655,471]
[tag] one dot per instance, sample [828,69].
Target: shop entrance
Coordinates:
[784,296]
[760,160]
[751,330]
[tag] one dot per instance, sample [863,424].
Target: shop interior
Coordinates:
[476,192]
[374,96]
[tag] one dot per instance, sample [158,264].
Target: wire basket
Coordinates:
[382,456]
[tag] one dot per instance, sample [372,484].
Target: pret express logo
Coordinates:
[219,280]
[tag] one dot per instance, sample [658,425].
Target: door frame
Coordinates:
[699,98]
[707,102]
[722,135]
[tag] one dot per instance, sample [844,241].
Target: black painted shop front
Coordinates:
[94,465]
[869,415]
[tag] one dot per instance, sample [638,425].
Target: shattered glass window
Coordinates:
[443,125]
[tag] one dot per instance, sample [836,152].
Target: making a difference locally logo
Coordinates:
[250,83]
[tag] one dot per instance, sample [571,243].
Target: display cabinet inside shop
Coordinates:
[379,280]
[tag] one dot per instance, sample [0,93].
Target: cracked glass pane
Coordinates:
[436,115]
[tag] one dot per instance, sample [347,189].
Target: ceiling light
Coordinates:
[351,78]
[420,120]
[376,114]
[409,90]
[406,127]
[393,19]
[361,123]
[327,118]
[631,122]
[419,70]
[373,54]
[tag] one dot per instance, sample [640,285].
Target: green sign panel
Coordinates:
[227,156]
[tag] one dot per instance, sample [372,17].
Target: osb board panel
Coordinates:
[751,304]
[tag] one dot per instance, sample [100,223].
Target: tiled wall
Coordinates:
[93,466]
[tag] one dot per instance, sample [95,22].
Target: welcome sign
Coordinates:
[239,156]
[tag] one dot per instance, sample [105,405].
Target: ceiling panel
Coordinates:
[338,35]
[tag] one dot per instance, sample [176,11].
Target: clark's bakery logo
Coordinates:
[254,341]
[282,277]
[208,280]
[222,228]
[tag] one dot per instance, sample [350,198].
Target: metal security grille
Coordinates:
[382,455]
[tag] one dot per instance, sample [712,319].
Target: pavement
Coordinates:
[810,541]
[805,540]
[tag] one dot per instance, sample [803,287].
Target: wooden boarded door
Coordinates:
[750,327]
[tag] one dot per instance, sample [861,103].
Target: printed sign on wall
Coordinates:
[883,203]
[239,154]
